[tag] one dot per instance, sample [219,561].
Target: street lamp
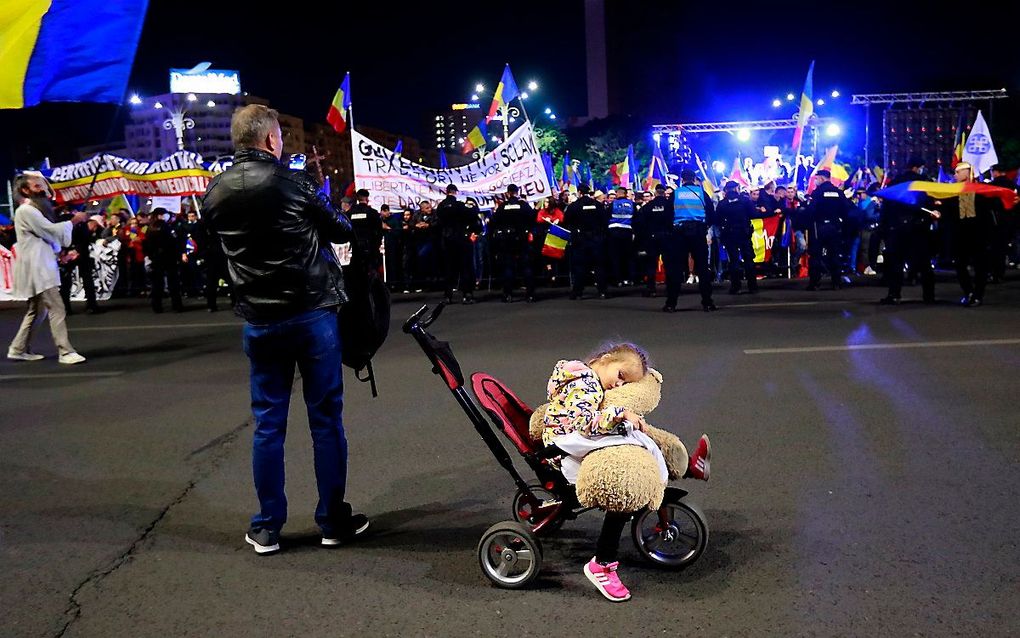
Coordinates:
[525,95]
[820,102]
[135,99]
[789,97]
[548,111]
[533,86]
[835,94]
[833,130]
[179,123]
[479,88]
[776,103]
[210,104]
[743,135]
[552,116]
[192,97]
[474,97]
[719,167]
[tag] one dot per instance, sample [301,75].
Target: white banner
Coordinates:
[397,181]
[104,271]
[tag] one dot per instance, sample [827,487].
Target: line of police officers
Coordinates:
[628,240]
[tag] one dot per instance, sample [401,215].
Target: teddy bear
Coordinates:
[626,478]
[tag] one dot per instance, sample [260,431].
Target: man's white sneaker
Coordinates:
[23,356]
[71,358]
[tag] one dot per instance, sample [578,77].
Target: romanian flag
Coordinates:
[837,171]
[961,140]
[506,92]
[705,182]
[67,50]
[656,170]
[569,179]
[807,107]
[337,116]
[737,174]
[476,138]
[623,172]
[443,163]
[763,237]
[556,241]
[916,193]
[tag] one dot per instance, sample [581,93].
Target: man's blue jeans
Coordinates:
[311,341]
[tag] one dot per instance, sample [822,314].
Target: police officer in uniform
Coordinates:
[652,224]
[587,221]
[620,238]
[827,211]
[456,223]
[733,216]
[367,225]
[692,207]
[508,239]
[906,232]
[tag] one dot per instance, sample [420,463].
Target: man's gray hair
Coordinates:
[251,124]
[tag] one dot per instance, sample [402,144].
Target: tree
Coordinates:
[550,139]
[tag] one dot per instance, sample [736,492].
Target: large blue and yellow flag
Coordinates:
[67,50]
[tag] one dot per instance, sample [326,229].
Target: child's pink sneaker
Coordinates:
[700,464]
[604,577]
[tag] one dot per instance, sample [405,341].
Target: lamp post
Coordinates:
[178,122]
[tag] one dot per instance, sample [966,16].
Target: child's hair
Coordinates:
[615,350]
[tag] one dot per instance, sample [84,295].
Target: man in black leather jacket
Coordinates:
[275,227]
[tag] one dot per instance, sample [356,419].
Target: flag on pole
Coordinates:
[632,175]
[979,151]
[338,110]
[63,51]
[556,241]
[565,179]
[506,92]
[807,107]
[400,147]
[547,164]
[442,159]
[705,182]
[960,140]
[656,169]
[476,138]
[837,172]
[117,203]
[737,174]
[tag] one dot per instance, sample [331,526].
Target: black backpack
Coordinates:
[365,318]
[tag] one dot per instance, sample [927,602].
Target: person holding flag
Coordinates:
[970,217]
[906,230]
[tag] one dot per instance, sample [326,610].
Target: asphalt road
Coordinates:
[864,480]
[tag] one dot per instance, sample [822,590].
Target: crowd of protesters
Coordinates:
[627,240]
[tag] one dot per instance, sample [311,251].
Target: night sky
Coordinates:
[686,61]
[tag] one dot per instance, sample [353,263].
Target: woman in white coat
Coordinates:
[36,272]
